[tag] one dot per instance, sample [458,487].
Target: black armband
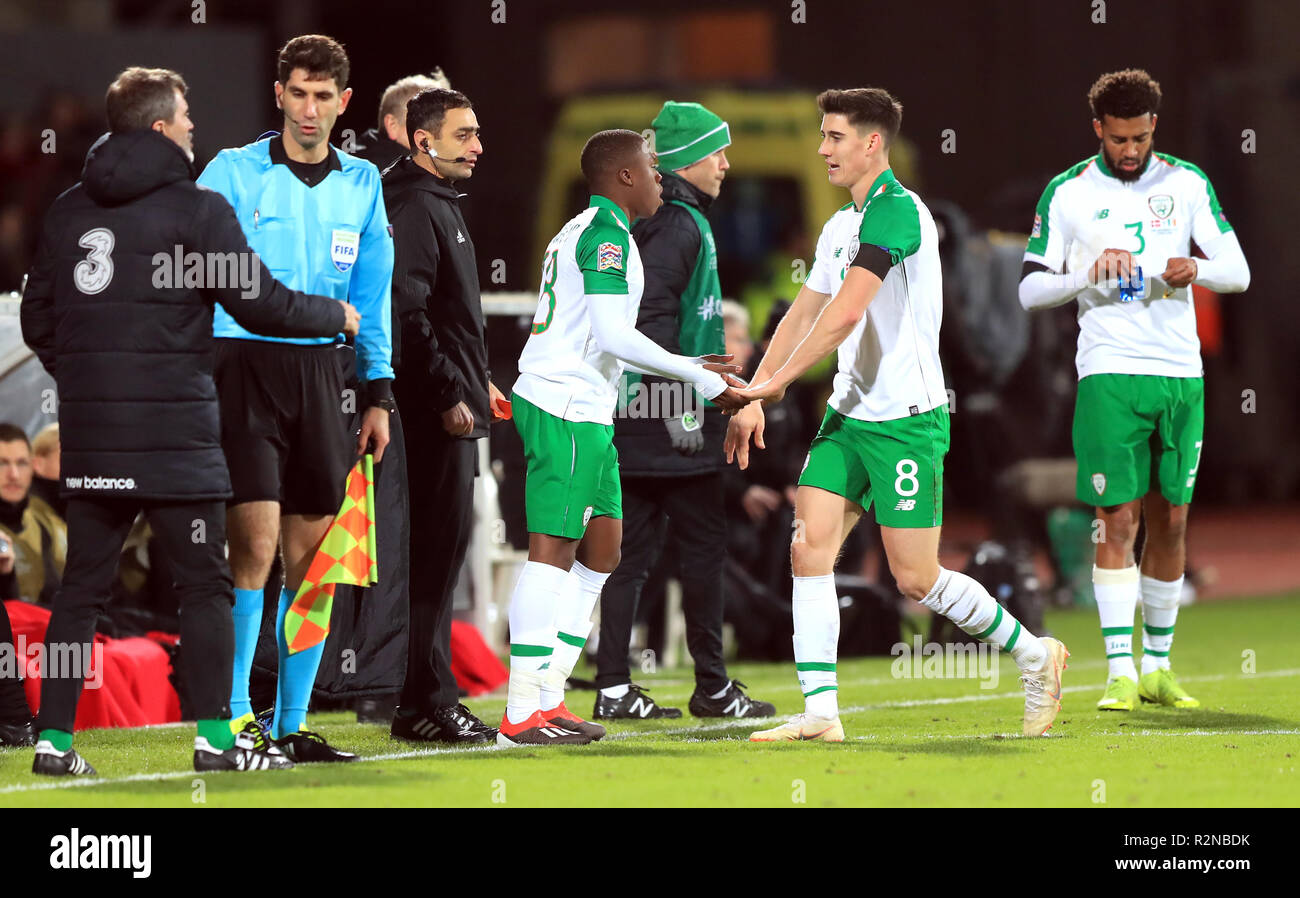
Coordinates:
[874,258]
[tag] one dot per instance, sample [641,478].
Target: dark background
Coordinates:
[1009,78]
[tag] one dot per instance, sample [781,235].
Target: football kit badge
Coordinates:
[343,248]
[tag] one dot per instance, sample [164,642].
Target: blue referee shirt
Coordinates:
[331,239]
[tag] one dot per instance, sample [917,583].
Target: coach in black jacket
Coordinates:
[440,357]
[126,332]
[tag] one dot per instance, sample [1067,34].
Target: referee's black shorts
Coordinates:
[284,423]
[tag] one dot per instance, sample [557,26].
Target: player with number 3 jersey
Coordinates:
[1114,233]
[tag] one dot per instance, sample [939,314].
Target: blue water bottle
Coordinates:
[1132,287]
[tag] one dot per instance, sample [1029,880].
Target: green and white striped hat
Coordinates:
[687,132]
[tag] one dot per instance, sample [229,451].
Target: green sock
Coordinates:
[60,739]
[218,734]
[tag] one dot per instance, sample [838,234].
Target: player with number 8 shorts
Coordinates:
[875,295]
[1140,414]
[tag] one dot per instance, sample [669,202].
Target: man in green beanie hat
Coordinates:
[669,438]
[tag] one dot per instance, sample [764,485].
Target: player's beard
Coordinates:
[1123,174]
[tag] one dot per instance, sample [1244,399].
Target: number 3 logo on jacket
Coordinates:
[94,272]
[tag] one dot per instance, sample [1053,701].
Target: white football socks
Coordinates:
[1159,612]
[967,604]
[816,643]
[532,635]
[573,626]
[1116,591]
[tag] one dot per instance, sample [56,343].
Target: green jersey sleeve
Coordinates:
[603,256]
[892,223]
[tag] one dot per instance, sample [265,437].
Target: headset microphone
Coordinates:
[433,154]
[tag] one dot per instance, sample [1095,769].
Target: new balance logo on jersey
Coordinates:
[641,707]
[905,505]
[1102,213]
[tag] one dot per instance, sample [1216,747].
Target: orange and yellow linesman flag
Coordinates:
[346,555]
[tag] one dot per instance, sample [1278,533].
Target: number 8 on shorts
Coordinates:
[896,464]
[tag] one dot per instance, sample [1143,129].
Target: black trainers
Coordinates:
[733,703]
[306,747]
[49,761]
[256,736]
[17,733]
[634,705]
[207,758]
[453,725]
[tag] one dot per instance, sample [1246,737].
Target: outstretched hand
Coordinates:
[718,364]
[767,392]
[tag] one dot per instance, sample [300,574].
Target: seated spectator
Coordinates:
[15,715]
[45,465]
[38,535]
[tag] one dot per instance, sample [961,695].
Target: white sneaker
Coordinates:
[803,728]
[1043,688]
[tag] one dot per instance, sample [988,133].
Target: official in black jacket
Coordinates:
[118,307]
[387,142]
[440,356]
[670,454]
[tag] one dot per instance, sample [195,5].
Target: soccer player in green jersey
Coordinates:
[1139,418]
[875,295]
[583,337]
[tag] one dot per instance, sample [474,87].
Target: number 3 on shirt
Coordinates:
[547,294]
[1142,241]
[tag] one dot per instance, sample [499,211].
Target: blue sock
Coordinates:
[247,615]
[297,675]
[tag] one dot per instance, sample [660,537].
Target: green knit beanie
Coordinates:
[687,132]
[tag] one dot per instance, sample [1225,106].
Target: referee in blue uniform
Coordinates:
[316,217]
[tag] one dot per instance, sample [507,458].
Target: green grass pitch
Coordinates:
[910,742]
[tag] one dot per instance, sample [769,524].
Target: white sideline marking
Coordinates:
[696,730]
[1020,736]
[181,774]
[917,703]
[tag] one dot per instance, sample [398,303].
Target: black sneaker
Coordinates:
[454,725]
[50,761]
[17,733]
[733,703]
[255,736]
[207,758]
[634,705]
[306,747]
